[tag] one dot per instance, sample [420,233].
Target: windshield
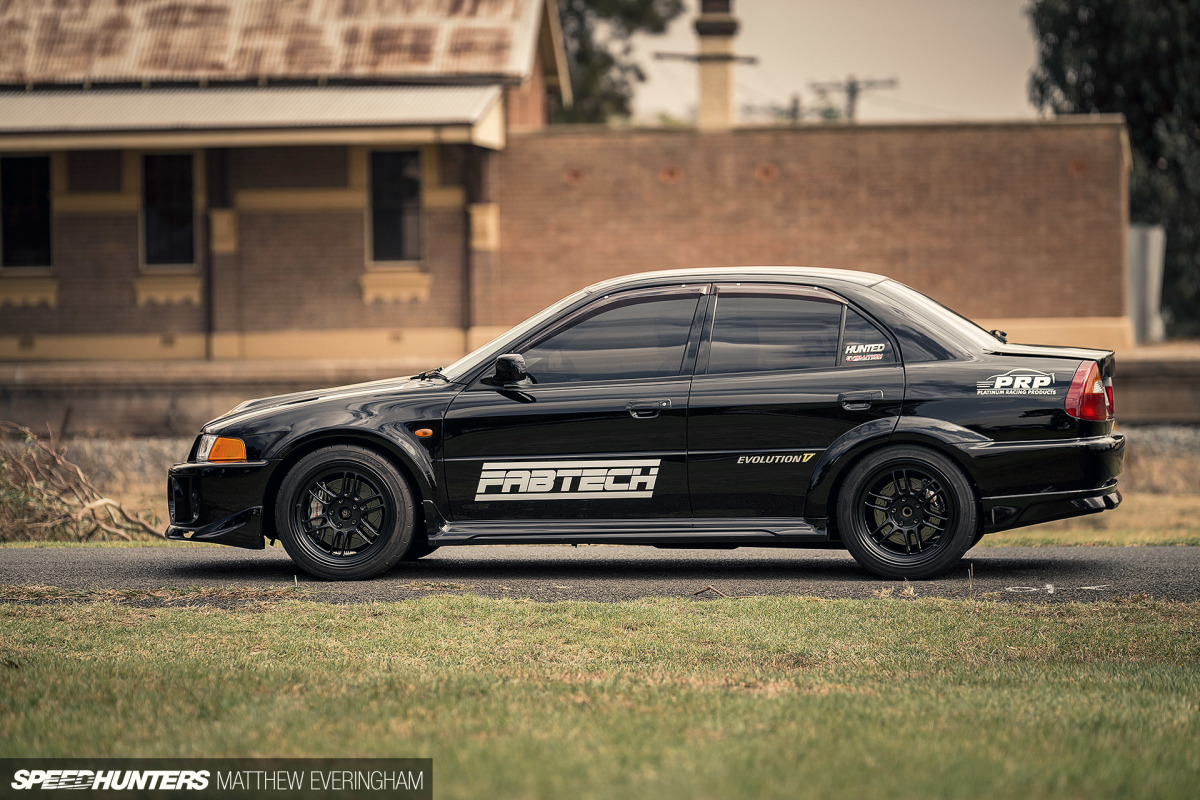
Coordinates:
[461,369]
[925,309]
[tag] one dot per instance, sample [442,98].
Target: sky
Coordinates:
[953,59]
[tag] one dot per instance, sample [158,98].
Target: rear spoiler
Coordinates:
[1106,359]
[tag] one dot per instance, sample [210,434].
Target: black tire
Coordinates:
[907,512]
[344,513]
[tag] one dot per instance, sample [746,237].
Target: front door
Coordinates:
[783,372]
[598,432]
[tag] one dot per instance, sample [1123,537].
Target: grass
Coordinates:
[117,543]
[1141,519]
[766,697]
[166,595]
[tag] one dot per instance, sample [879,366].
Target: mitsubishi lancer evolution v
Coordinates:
[720,408]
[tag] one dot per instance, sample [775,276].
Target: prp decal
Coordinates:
[568,480]
[864,352]
[1020,381]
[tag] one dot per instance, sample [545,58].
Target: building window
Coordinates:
[169,209]
[395,206]
[25,208]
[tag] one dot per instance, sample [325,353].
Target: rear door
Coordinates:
[782,372]
[599,432]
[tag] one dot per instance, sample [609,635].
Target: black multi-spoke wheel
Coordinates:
[907,512]
[344,513]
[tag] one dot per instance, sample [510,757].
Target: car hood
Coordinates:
[264,405]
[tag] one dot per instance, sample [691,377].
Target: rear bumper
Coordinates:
[218,503]
[1032,482]
[1015,511]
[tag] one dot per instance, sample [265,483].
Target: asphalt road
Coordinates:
[609,573]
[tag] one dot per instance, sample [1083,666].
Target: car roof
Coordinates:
[782,274]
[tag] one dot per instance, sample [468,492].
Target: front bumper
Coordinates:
[219,503]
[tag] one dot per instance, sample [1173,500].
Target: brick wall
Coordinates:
[96,263]
[287,167]
[1000,221]
[1013,220]
[299,271]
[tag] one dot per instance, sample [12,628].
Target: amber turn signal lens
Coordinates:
[227,449]
[424,433]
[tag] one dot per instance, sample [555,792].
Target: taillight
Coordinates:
[1090,396]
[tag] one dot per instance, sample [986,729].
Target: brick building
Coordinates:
[319,179]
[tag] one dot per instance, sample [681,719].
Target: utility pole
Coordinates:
[853,87]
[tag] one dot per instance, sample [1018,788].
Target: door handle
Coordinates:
[646,409]
[859,401]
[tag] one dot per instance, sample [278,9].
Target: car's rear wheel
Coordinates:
[344,513]
[907,512]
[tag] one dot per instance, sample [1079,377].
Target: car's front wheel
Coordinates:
[344,513]
[907,512]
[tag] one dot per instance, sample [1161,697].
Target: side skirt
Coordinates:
[677,532]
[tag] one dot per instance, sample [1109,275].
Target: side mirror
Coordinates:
[510,369]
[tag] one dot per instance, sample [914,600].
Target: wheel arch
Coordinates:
[414,465]
[840,457]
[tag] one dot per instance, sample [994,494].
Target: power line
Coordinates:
[853,87]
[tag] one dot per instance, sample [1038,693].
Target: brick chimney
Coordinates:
[717,27]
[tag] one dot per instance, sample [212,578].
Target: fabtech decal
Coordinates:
[567,480]
[864,352]
[1019,381]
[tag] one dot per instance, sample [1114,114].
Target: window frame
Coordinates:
[817,293]
[198,204]
[406,264]
[596,306]
[32,270]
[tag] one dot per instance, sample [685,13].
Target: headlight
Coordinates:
[220,448]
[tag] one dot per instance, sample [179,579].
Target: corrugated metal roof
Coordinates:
[107,41]
[243,108]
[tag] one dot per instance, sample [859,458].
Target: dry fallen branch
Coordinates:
[45,496]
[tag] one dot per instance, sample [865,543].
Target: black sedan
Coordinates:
[776,407]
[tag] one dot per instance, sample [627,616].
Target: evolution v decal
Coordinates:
[797,458]
[864,352]
[1020,381]
[567,480]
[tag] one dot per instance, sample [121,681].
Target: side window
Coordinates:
[757,333]
[25,212]
[168,206]
[644,337]
[395,206]
[864,343]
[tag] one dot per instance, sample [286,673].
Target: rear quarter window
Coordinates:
[864,343]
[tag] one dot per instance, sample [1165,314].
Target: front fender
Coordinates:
[394,440]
